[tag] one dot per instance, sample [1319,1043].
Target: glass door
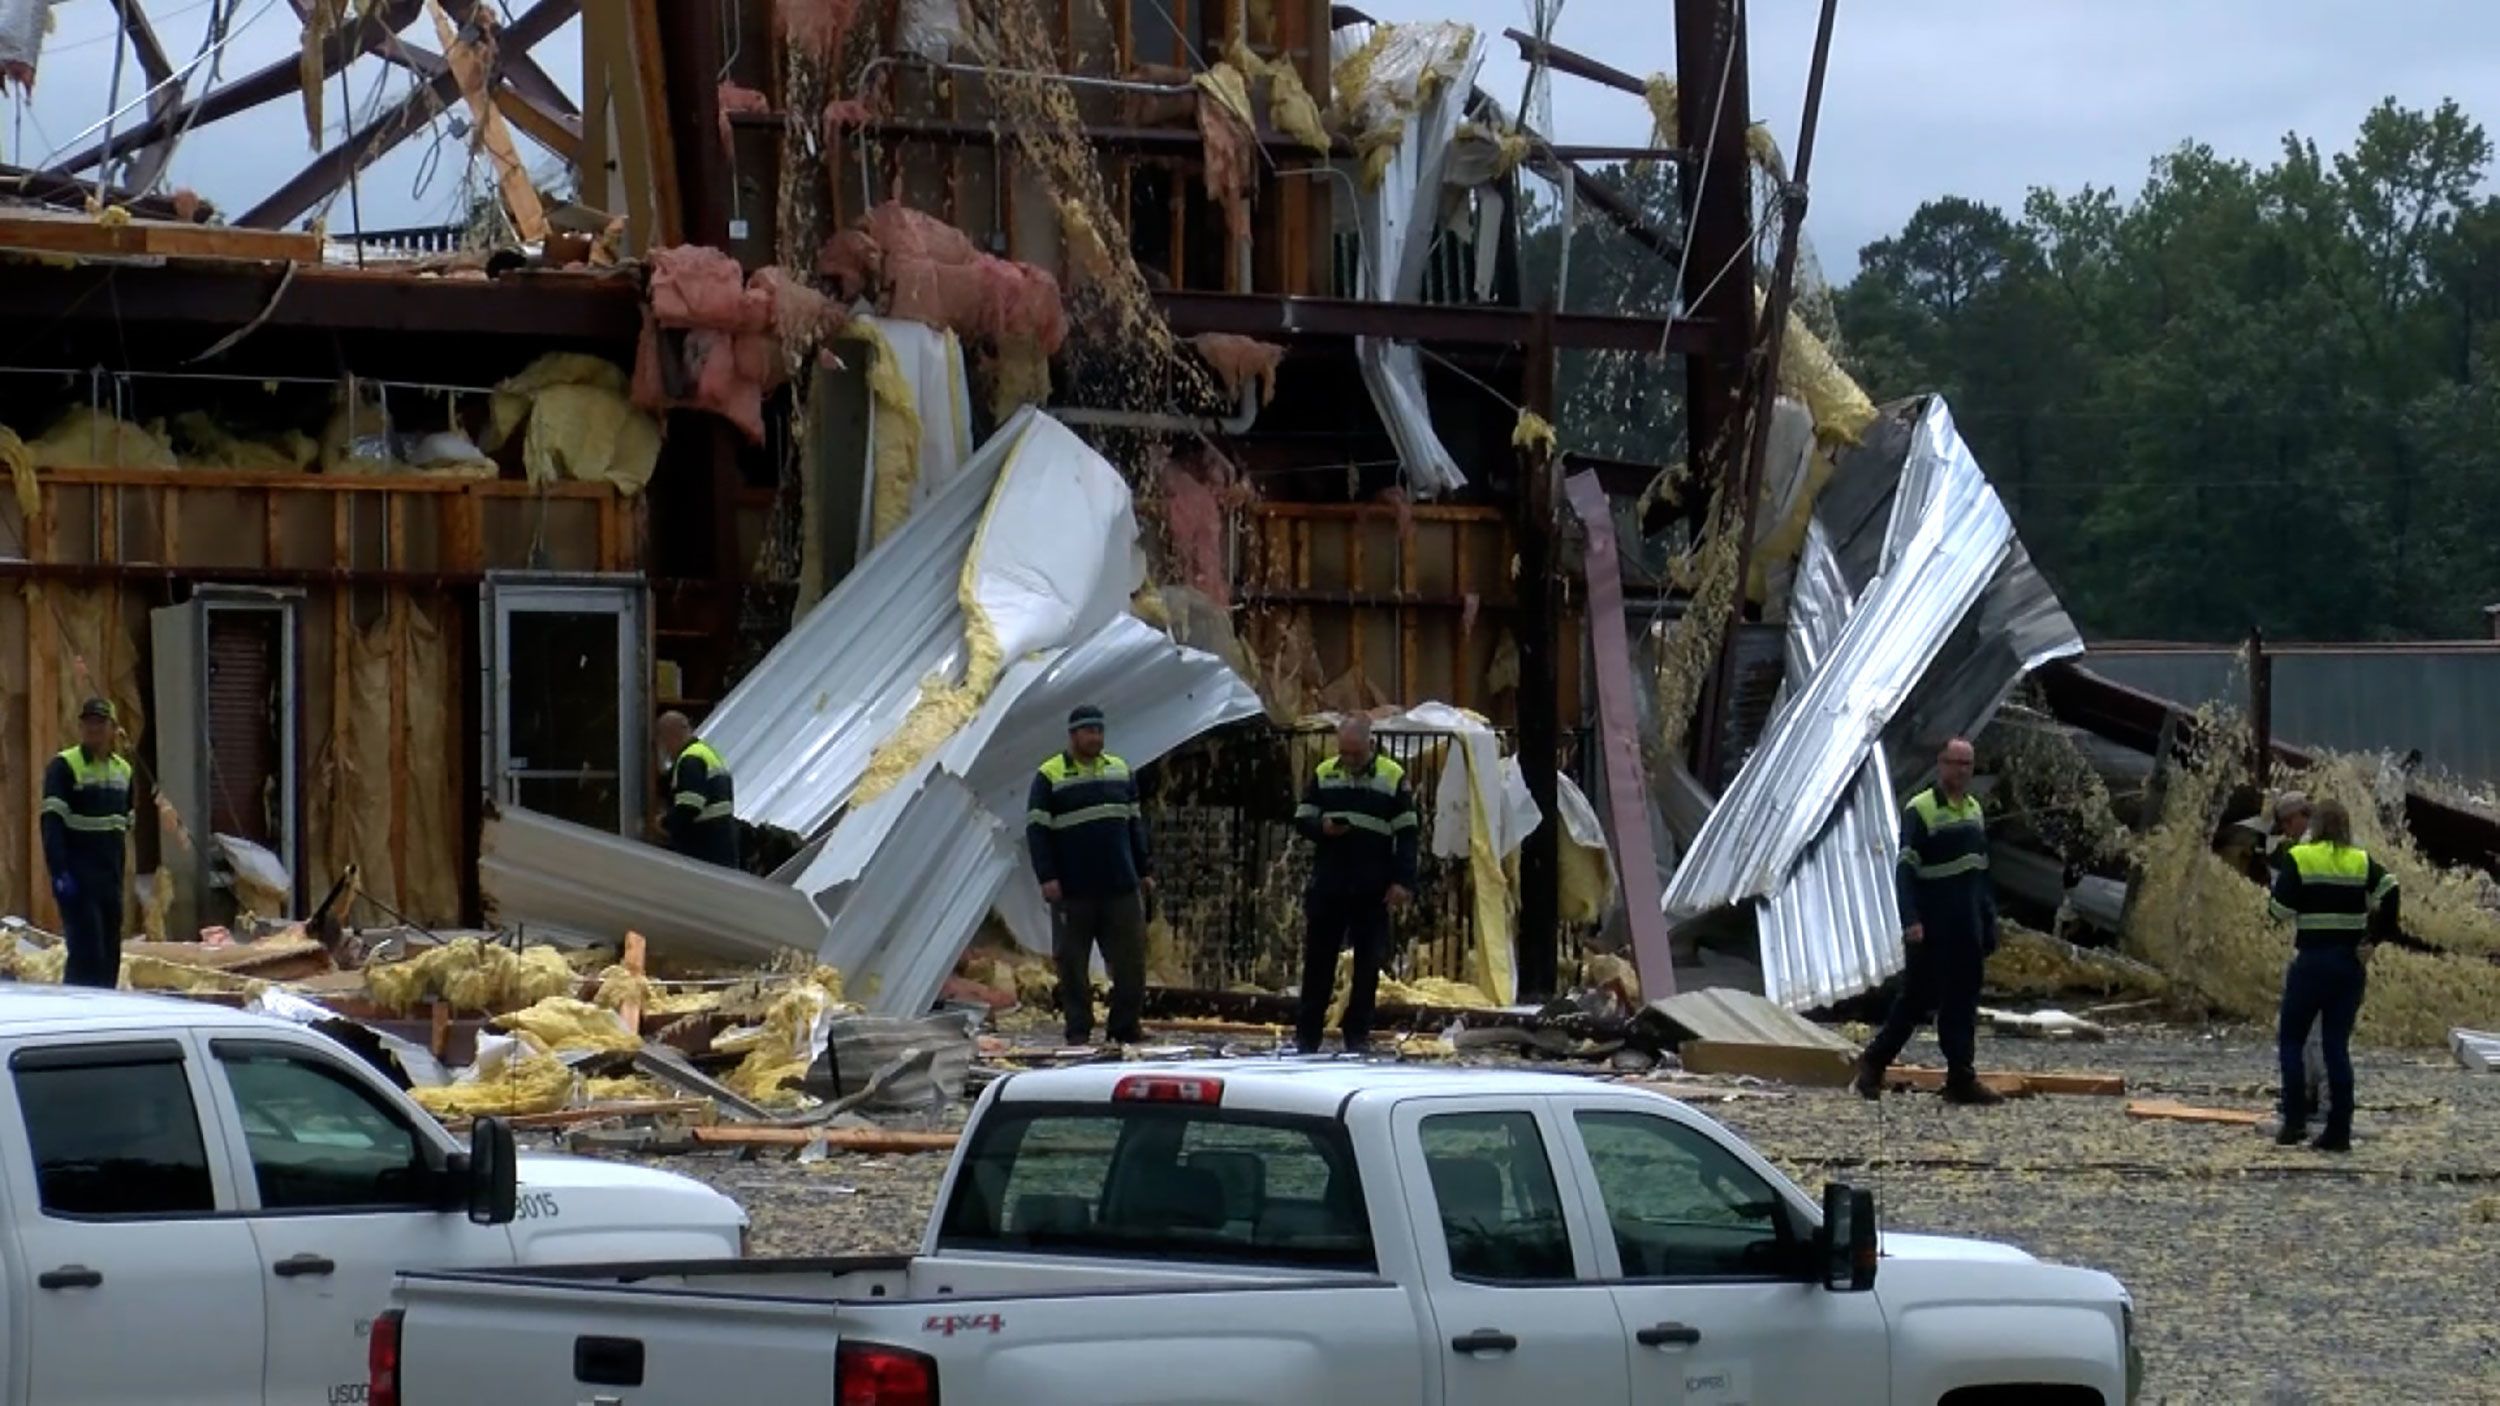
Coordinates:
[565,696]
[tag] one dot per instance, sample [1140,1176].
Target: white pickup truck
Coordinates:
[207,1206]
[1306,1232]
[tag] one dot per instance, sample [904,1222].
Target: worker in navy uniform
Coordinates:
[2292,813]
[86,816]
[1361,820]
[701,821]
[2336,896]
[1948,927]
[1087,835]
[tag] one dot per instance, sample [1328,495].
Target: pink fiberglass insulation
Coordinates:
[816,27]
[1240,360]
[712,339]
[1227,145]
[734,99]
[923,269]
[1198,497]
[844,113]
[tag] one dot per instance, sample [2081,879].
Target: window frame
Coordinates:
[1797,1225]
[430,1146]
[1569,1203]
[1330,1139]
[111,1050]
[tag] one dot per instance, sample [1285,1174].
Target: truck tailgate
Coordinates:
[472,1339]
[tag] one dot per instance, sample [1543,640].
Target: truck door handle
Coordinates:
[1668,1335]
[70,1276]
[1484,1340]
[296,1266]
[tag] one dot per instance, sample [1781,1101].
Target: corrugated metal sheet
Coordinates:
[1950,613]
[2440,697]
[1833,929]
[799,729]
[903,926]
[1944,546]
[562,879]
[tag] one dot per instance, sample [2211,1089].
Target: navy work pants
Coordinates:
[1942,980]
[1335,921]
[2323,986]
[91,927]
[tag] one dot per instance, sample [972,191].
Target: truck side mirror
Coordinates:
[494,1173]
[1847,1241]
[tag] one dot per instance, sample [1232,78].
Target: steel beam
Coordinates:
[547,306]
[262,85]
[411,115]
[1273,318]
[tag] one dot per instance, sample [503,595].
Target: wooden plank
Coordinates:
[1913,1077]
[652,119]
[399,746]
[636,958]
[438,1020]
[108,524]
[1790,1064]
[612,533]
[2167,1110]
[463,521]
[272,520]
[1462,664]
[78,235]
[834,1139]
[602,1112]
[397,485]
[168,525]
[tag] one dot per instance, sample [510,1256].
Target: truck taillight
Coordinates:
[867,1375]
[382,1361]
[1168,1088]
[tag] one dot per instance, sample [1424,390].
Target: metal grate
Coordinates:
[1233,867]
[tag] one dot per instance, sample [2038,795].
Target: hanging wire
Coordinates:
[112,103]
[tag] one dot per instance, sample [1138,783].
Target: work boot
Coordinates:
[1968,1091]
[2292,1135]
[1870,1081]
[2333,1141]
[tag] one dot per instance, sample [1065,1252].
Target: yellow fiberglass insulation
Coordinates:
[530,1081]
[564,1024]
[1532,430]
[582,424]
[1810,374]
[1658,90]
[471,975]
[20,462]
[1289,104]
[943,709]
[1423,991]
[205,444]
[620,987]
[88,438]
[627,1088]
[779,1050]
[895,447]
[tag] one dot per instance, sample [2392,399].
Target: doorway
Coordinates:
[565,695]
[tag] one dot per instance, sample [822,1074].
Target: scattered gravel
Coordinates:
[2259,1275]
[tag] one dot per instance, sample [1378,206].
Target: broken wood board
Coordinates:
[77,235]
[1912,1076]
[1724,1015]
[1817,1068]
[2171,1111]
[1932,1080]
[833,1139]
[277,959]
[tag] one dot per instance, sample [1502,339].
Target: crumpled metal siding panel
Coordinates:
[543,873]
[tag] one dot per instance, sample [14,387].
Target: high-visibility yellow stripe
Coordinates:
[1405,821]
[717,810]
[97,824]
[2386,885]
[2333,922]
[1091,814]
[1306,812]
[54,805]
[1965,864]
[1373,823]
[693,800]
[1037,817]
[2281,910]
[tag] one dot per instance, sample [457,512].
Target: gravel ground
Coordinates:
[2259,1275]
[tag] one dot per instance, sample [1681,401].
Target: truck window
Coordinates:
[1682,1206]
[1494,1188]
[118,1138]
[1182,1183]
[319,1140]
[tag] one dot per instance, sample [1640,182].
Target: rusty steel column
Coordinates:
[1537,945]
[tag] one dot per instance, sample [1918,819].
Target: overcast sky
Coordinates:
[1984,98]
